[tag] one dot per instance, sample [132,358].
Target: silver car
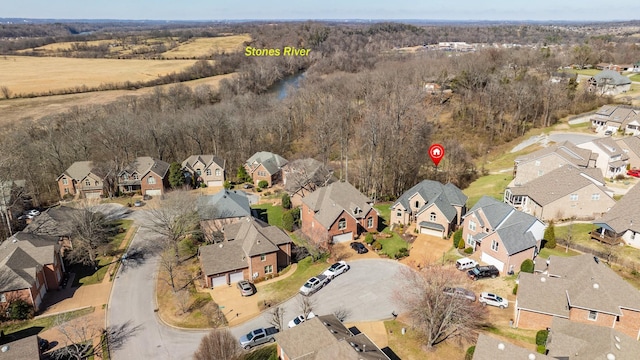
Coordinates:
[493,300]
[460,293]
[245,288]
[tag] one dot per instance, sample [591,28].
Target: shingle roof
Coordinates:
[610,77]
[22,349]
[631,142]
[300,173]
[54,221]
[566,150]
[445,197]
[559,183]
[609,147]
[271,162]
[21,255]
[207,160]
[625,214]
[143,164]
[223,205]
[615,114]
[330,201]
[490,348]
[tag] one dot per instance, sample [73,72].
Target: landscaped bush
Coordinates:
[469,354]
[541,337]
[287,221]
[468,250]
[402,253]
[376,245]
[542,349]
[227,185]
[527,266]
[461,244]
[515,289]
[286,201]
[550,236]
[20,310]
[457,236]
[369,239]
[263,184]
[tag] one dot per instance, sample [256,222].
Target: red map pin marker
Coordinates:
[436,153]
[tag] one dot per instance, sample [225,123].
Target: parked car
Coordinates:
[258,337]
[138,203]
[460,293]
[146,197]
[634,173]
[33,212]
[359,247]
[247,186]
[493,300]
[466,263]
[608,133]
[245,288]
[300,319]
[314,284]
[336,269]
[480,272]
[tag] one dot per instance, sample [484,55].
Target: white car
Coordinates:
[32,213]
[314,284]
[493,300]
[336,269]
[300,319]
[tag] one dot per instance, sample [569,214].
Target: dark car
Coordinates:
[481,272]
[359,247]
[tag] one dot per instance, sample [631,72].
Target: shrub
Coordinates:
[296,215]
[620,177]
[287,221]
[461,244]
[550,236]
[457,236]
[468,250]
[515,289]
[542,349]
[527,266]
[227,185]
[369,239]
[263,184]
[286,201]
[469,354]
[541,337]
[20,310]
[376,245]
[402,252]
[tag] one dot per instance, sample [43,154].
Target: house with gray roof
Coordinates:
[612,159]
[83,179]
[622,222]
[436,209]
[30,265]
[337,213]
[251,249]
[204,169]
[224,207]
[266,166]
[146,176]
[303,176]
[564,193]
[614,118]
[609,83]
[326,338]
[504,236]
[581,289]
[490,348]
[538,163]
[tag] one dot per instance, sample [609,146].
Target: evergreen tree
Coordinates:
[550,236]
[176,177]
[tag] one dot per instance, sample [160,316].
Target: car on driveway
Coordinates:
[634,173]
[460,293]
[137,203]
[480,272]
[359,247]
[33,212]
[336,269]
[245,288]
[300,319]
[608,133]
[314,284]
[493,300]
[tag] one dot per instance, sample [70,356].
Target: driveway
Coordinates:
[365,292]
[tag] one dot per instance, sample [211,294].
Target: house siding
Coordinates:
[533,320]
[161,183]
[582,316]
[364,221]
[269,178]
[284,256]
[404,217]
[584,208]
[352,226]
[440,219]
[629,323]
[257,265]
[96,185]
[71,186]
[312,228]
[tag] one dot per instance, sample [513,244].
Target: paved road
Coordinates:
[365,292]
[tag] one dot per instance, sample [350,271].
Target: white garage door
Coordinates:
[214,183]
[219,281]
[342,238]
[486,258]
[92,195]
[236,277]
[153,192]
[427,231]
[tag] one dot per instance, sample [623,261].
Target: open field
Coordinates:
[26,74]
[206,46]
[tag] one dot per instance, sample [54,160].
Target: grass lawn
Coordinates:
[635,77]
[409,346]
[384,209]
[558,251]
[281,290]
[588,72]
[272,213]
[491,185]
[579,233]
[263,353]
[46,322]
[391,245]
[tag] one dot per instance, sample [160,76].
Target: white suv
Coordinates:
[493,300]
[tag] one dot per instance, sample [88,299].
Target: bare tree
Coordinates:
[342,313]
[6,92]
[218,344]
[90,231]
[169,264]
[306,305]
[276,317]
[436,315]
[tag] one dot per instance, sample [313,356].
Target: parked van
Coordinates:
[465,263]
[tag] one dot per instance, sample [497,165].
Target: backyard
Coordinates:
[491,185]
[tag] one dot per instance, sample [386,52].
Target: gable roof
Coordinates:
[330,201]
[625,214]
[615,114]
[566,150]
[55,221]
[223,205]
[20,258]
[80,169]
[559,183]
[271,162]
[632,143]
[490,348]
[300,173]
[445,197]
[144,164]
[610,77]
[610,148]
[513,227]
[207,160]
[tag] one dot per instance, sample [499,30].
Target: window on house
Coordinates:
[537,162]
[218,172]
[593,315]
[573,197]
[199,172]
[3,298]
[469,240]
[342,224]
[97,183]
[268,269]
[135,177]
[208,172]
[263,257]
[399,214]
[88,182]
[417,204]
[66,191]
[125,177]
[494,245]
[151,180]
[472,225]
[370,222]
[595,196]
[432,216]
[65,181]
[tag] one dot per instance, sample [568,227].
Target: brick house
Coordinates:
[504,236]
[266,166]
[337,213]
[204,169]
[145,175]
[436,209]
[31,265]
[251,249]
[223,208]
[581,289]
[82,180]
[302,177]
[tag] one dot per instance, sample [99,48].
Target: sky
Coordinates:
[585,10]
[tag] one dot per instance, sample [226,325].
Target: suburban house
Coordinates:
[543,161]
[612,159]
[26,348]
[436,209]
[616,117]
[145,175]
[504,236]
[609,82]
[31,265]
[564,193]
[622,222]
[57,222]
[204,169]
[224,207]
[630,145]
[337,213]
[581,289]
[302,177]
[326,338]
[266,166]
[251,249]
[82,180]
[490,348]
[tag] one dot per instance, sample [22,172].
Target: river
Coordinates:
[284,86]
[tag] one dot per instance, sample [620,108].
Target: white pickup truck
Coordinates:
[314,284]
